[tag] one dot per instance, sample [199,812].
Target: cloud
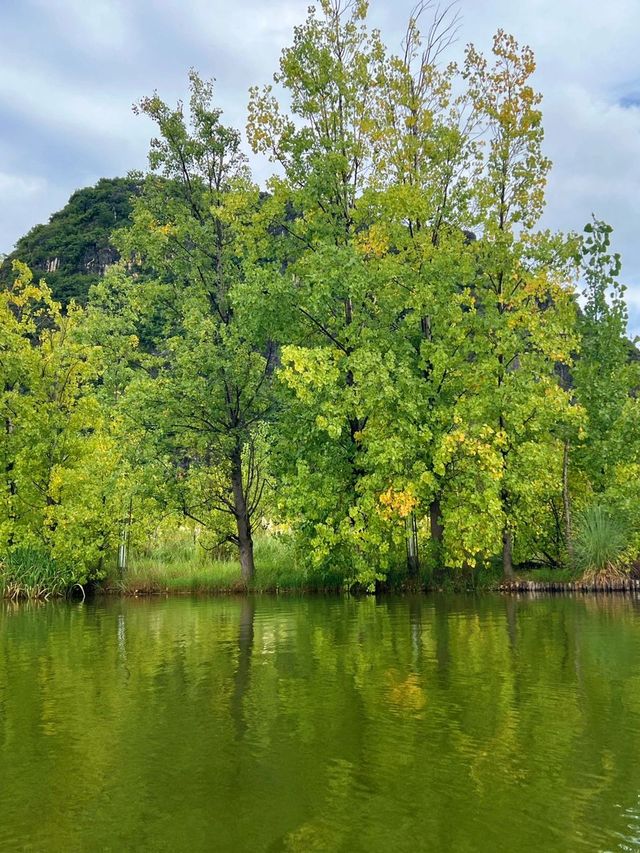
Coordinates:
[62,103]
[14,187]
[630,101]
[88,25]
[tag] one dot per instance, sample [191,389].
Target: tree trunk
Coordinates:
[435,520]
[566,501]
[123,548]
[12,487]
[241,514]
[413,558]
[507,554]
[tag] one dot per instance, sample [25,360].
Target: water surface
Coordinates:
[278,724]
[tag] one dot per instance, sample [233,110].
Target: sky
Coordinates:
[71,69]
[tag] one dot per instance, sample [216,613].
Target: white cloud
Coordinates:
[90,25]
[61,102]
[14,187]
[265,27]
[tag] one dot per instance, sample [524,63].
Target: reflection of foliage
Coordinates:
[304,710]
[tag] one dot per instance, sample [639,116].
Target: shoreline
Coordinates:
[625,585]
[519,586]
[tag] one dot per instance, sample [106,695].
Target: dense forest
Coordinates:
[380,359]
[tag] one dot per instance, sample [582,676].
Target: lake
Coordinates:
[444,723]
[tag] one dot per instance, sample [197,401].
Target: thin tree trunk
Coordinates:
[243,522]
[507,554]
[413,558]
[507,535]
[435,520]
[566,501]
[123,548]
[12,487]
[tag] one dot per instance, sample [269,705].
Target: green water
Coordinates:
[441,723]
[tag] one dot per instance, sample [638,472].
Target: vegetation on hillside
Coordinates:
[74,248]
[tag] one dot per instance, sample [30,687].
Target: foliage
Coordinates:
[605,377]
[60,462]
[202,396]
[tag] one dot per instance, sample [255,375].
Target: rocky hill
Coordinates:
[74,248]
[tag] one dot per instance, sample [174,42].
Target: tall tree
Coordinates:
[205,390]
[325,151]
[523,288]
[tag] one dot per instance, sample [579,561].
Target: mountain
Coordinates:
[73,249]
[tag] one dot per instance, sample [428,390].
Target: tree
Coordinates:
[205,388]
[426,161]
[604,375]
[523,288]
[62,475]
[326,155]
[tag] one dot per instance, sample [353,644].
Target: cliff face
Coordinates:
[73,249]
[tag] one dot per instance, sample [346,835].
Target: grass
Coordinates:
[548,574]
[29,573]
[179,565]
[601,542]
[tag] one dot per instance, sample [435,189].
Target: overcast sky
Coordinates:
[70,70]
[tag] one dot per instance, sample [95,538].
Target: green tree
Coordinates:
[523,291]
[62,475]
[325,151]
[606,459]
[604,374]
[204,388]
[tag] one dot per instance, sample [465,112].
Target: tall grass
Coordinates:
[30,573]
[601,541]
[177,563]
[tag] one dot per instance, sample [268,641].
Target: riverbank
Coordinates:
[226,580]
[625,584]
[180,566]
